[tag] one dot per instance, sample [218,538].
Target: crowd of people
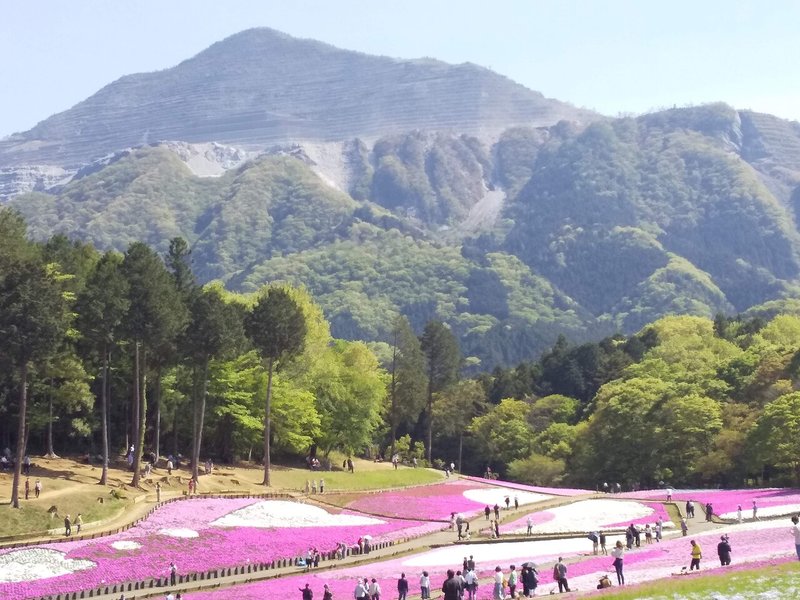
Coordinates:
[460,584]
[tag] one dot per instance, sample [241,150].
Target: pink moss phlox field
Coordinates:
[725,501]
[216,547]
[751,547]
[553,491]
[423,502]
[658,511]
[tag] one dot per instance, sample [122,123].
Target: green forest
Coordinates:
[581,231]
[102,350]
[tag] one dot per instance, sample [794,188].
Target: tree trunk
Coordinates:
[23,407]
[175,432]
[430,425]
[50,452]
[157,437]
[194,408]
[104,413]
[134,424]
[267,423]
[198,436]
[393,410]
[460,447]
[142,414]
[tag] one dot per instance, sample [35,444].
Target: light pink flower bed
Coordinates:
[554,491]
[214,547]
[725,502]
[752,544]
[590,515]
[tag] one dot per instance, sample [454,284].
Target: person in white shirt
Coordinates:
[796,532]
[374,590]
[425,586]
[471,584]
[499,592]
[618,552]
[360,593]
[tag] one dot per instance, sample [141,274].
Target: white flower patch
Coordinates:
[280,513]
[504,553]
[590,515]
[492,496]
[765,511]
[126,545]
[179,532]
[38,563]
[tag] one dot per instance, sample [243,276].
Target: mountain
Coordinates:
[261,87]
[576,230]
[416,187]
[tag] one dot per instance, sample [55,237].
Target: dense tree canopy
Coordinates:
[686,400]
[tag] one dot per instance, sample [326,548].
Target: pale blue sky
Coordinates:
[611,56]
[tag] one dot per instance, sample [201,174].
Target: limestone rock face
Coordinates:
[261,87]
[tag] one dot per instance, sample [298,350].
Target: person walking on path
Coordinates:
[487,511]
[739,513]
[709,511]
[471,583]
[755,511]
[425,586]
[78,523]
[560,575]
[67,526]
[796,533]
[375,590]
[697,554]
[724,551]
[618,552]
[37,488]
[402,587]
[173,573]
[529,581]
[516,502]
[530,525]
[513,578]
[499,592]
[497,511]
[360,593]
[321,486]
[684,527]
[603,549]
[452,586]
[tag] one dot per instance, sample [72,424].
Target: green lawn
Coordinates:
[33,518]
[362,479]
[770,581]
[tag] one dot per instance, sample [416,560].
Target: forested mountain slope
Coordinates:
[602,228]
